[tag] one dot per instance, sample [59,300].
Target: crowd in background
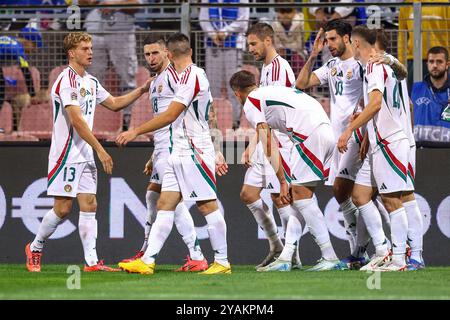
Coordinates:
[223,50]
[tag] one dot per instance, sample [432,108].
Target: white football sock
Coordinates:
[49,223]
[87,227]
[158,235]
[267,223]
[362,238]
[415,229]
[372,219]
[284,213]
[151,198]
[315,221]
[186,228]
[217,230]
[350,213]
[293,234]
[399,235]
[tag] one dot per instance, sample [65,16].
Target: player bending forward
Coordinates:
[190,168]
[301,117]
[72,172]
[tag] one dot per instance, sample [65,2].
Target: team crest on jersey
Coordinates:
[349,74]
[83,92]
[160,88]
[333,71]
[67,188]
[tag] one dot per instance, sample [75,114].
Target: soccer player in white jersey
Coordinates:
[389,146]
[191,165]
[343,75]
[415,217]
[276,71]
[300,116]
[161,93]
[71,171]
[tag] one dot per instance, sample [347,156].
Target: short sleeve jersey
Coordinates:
[278,73]
[387,125]
[83,91]
[289,110]
[344,78]
[403,89]
[191,130]
[162,91]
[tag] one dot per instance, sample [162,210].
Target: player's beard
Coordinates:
[157,68]
[438,76]
[339,50]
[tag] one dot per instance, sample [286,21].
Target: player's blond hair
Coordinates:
[73,39]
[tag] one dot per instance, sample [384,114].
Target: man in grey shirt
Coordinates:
[113,38]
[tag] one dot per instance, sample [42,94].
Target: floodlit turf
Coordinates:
[243,283]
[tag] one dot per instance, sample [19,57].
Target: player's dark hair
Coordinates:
[382,39]
[178,44]
[342,27]
[151,39]
[242,80]
[369,35]
[261,30]
[437,50]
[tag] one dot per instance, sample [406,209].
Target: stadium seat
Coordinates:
[54,75]
[107,123]
[224,114]
[6,117]
[142,75]
[325,102]
[13,72]
[140,113]
[17,136]
[252,69]
[37,120]
[111,82]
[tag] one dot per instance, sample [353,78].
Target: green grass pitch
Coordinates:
[243,283]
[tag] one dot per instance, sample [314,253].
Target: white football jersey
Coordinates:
[288,110]
[83,91]
[278,73]
[345,81]
[387,125]
[162,91]
[404,96]
[191,129]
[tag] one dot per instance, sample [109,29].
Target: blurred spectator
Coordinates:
[114,39]
[288,28]
[14,50]
[435,32]
[352,15]
[224,40]
[431,99]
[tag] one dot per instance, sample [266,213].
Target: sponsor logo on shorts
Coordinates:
[193,195]
[67,188]
[383,186]
[270,186]
[345,171]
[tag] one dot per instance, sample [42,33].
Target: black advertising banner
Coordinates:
[121,211]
